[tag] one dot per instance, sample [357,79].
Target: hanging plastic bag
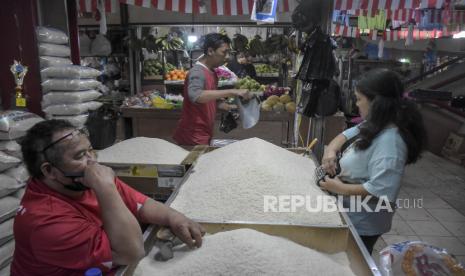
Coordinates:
[100,46]
[84,44]
[418,258]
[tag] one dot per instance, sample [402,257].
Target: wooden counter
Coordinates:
[276,128]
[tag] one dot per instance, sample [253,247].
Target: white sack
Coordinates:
[51,35]
[54,50]
[15,124]
[70,72]
[53,98]
[71,109]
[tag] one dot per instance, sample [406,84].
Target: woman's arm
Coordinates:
[335,185]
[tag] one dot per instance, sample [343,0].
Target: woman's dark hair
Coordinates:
[37,138]
[384,89]
[214,41]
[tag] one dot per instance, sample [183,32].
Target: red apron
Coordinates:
[197,119]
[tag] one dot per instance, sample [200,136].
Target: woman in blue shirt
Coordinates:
[391,136]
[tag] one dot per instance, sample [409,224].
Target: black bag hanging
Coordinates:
[319,97]
[228,122]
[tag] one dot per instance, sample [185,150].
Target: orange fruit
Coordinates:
[167,76]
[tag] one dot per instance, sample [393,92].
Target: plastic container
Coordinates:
[93,272]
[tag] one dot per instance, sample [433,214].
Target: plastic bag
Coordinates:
[14,124]
[77,120]
[418,258]
[53,98]
[54,50]
[6,229]
[19,173]
[48,61]
[51,35]
[69,84]
[70,72]
[10,147]
[100,46]
[84,44]
[9,185]
[71,109]
[7,161]
[8,204]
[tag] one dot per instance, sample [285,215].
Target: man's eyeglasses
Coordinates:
[80,131]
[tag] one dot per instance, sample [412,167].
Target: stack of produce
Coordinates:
[154,99]
[245,252]
[153,68]
[13,174]
[53,48]
[266,70]
[70,90]
[176,75]
[278,99]
[250,84]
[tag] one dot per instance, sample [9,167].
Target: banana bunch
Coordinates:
[169,42]
[240,43]
[292,45]
[277,43]
[256,46]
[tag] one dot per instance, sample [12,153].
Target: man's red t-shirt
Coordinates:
[57,235]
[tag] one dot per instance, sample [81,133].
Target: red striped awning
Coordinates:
[241,7]
[183,6]
[111,6]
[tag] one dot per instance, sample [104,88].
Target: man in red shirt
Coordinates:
[75,214]
[201,93]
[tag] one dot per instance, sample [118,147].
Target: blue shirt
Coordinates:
[379,169]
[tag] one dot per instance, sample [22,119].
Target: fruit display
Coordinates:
[278,99]
[263,69]
[153,67]
[249,84]
[154,99]
[176,75]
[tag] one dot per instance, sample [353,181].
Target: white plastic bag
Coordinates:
[10,147]
[48,61]
[70,72]
[6,229]
[53,98]
[77,120]
[84,44]
[9,185]
[51,35]
[7,161]
[19,173]
[100,46]
[14,124]
[6,251]
[54,50]
[71,109]
[418,258]
[70,84]
[8,204]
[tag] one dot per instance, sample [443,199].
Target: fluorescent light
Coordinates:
[404,60]
[192,38]
[459,35]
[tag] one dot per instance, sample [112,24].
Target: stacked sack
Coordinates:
[13,175]
[69,90]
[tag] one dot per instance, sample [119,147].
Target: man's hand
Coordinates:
[227,107]
[243,93]
[96,174]
[186,230]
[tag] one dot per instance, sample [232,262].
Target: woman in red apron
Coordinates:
[201,93]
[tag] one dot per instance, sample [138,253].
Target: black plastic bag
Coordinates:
[228,122]
[319,97]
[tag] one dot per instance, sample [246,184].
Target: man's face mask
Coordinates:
[75,186]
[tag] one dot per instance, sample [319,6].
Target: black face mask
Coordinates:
[76,186]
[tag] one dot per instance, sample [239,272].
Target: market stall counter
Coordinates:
[277,128]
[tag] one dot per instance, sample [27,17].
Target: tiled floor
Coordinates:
[440,218]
